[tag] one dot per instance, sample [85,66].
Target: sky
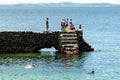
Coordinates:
[57,1]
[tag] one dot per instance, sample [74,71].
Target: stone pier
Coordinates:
[22,42]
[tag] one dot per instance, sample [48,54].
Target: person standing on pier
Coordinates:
[63,24]
[66,23]
[70,21]
[47,24]
[71,25]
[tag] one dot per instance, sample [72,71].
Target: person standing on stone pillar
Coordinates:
[47,24]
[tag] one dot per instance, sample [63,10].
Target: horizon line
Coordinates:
[59,3]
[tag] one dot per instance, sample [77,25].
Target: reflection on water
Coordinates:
[46,63]
[46,57]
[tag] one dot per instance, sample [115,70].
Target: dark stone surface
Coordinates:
[83,45]
[20,42]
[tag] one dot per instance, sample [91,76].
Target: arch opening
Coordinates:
[51,50]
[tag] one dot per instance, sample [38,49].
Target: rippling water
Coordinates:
[49,66]
[54,66]
[101,29]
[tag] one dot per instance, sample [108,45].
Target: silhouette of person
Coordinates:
[47,24]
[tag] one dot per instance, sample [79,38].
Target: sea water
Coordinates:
[101,28]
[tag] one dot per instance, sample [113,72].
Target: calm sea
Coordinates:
[101,27]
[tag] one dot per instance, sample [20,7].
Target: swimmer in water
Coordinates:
[30,66]
[92,72]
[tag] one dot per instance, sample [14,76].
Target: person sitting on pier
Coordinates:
[80,28]
[67,29]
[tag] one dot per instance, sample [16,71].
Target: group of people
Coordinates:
[67,25]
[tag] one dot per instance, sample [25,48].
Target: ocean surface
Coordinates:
[101,28]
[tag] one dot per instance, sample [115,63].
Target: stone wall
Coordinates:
[83,45]
[17,42]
